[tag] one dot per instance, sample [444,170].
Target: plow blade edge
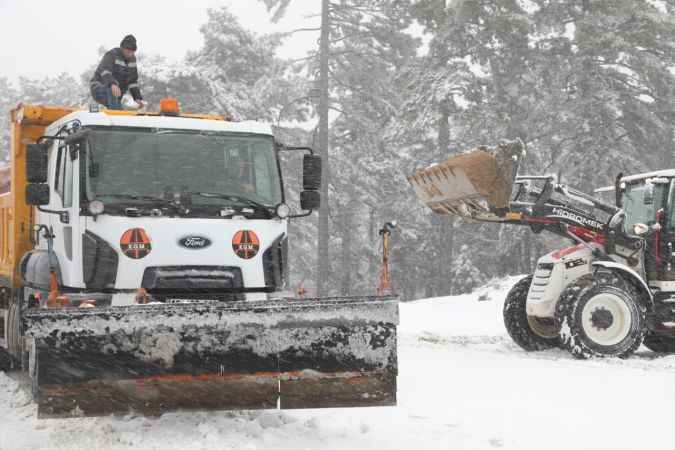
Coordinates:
[310,353]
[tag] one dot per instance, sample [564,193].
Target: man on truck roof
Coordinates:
[115,74]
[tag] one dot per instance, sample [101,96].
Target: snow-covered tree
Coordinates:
[8,99]
[466,277]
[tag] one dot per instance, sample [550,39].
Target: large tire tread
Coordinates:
[515,319]
[572,337]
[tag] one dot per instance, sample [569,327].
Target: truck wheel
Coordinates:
[600,314]
[530,333]
[659,343]
[14,341]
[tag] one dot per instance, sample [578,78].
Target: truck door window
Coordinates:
[60,169]
[63,181]
[68,180]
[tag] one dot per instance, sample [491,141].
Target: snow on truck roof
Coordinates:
[123,119]
[668,173]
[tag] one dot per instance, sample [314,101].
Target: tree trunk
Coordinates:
[347,264]
[445,281]
[322,256]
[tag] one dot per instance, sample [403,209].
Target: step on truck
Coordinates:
[612,290]
[144,266]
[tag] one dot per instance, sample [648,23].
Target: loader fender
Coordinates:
[35,269]
[630,275]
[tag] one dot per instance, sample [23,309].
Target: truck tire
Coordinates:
[601,314]
[14,340]
[659,343]
[530,333]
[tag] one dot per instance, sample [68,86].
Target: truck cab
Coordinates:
[154,207]
[143,262]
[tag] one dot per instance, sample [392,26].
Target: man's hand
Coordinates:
[141,104]
[116,92]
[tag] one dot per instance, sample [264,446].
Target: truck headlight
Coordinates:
[96,207]
[283,210]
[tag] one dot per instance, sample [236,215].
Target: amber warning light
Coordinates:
[169,106]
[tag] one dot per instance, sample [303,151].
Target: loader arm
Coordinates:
[483,185]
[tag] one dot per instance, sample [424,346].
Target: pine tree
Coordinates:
[356,37]
[614,60]
[8,100]
[466,277]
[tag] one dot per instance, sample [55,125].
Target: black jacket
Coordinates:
[114,69]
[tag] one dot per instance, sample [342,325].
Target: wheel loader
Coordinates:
[144,265]
[612,290]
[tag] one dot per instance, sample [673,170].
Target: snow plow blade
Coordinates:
[474,185]
[291,353]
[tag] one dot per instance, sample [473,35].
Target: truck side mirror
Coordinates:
[310,200]
[37,194]
[36,163]
[311,173]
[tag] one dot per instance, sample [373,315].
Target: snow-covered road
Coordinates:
[462,385]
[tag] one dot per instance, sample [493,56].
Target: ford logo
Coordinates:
[194,242]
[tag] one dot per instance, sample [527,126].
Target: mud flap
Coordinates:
[474,184]
[309,353]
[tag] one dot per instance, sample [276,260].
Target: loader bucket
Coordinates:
[473,184]
[292,353]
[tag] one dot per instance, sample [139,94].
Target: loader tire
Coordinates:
[530,333]
[601,314]
[659,343]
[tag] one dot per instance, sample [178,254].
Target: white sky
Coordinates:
[47,37]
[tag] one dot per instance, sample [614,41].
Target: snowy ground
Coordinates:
[462,385]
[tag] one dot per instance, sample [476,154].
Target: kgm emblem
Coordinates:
[194,242]
[245,244]
[135,243]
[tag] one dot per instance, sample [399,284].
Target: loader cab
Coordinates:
[648,201]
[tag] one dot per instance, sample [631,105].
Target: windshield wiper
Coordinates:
[147,198]
[235,198]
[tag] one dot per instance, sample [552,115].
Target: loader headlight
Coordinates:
[96,207]
[283,210]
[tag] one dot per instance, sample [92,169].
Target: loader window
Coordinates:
[635,208]
[144,162]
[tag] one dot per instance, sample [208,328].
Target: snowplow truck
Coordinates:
[143,267]
[608,293]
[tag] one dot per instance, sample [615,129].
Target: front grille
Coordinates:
[192,280]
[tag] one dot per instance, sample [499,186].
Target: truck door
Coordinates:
[65,202]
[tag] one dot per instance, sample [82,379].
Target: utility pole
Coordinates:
[322,256]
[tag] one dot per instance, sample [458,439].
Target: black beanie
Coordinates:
[129,42]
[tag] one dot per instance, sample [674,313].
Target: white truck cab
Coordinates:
[173,206]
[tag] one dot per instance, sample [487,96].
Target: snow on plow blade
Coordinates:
[309,353]
[472,184]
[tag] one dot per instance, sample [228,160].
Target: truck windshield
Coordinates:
[151,163]
[635,208]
